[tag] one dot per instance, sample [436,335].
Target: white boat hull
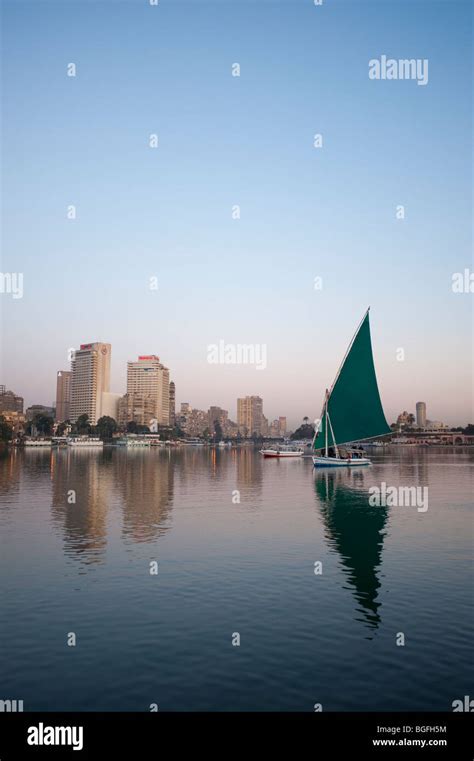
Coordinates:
[338,462]
[85,443]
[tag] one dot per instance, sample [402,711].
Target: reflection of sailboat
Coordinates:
[356,531]
[352,409]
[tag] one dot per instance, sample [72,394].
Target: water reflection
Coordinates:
[87,486]
[355,530]
[145,483]
[81,484]
[249,470]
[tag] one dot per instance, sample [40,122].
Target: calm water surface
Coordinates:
[227,567]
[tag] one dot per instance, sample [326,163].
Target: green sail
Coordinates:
[354,406]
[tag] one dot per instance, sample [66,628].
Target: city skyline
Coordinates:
[117,407]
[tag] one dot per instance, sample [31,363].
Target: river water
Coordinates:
[320,587]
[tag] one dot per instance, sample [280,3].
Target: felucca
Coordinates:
[352,410]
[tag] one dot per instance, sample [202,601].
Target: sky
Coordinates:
[167,213]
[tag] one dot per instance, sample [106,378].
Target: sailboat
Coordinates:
[352,410]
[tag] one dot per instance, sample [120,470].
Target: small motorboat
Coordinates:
[283,450]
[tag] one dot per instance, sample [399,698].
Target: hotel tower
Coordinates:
[149,378]
[90,378]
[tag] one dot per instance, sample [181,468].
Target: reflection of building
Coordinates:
[90,378]
[149,377]
[172,404]
[421,414]
[249,470]
[145,481]
[86,478]
[9,401]
[11,469]
[136,408]
[250,415]
[63,395]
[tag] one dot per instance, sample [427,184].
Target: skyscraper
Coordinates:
[63,395]
[172,403]
[250,415]
[149,377]
[421,415]
[90,378]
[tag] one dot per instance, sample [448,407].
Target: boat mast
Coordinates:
[326,426]
[333,438]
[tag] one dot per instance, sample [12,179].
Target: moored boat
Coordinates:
[85,441]
[352,410]
[282,450]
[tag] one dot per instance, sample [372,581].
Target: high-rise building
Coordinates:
[90,378]
[421,414]
[282,425]
[172,403]
[149,377]
[136,408]
[63,395]
[250,415]
[10,402]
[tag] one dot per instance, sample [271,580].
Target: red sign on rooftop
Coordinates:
[148,357]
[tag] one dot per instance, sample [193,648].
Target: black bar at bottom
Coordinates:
[147,735]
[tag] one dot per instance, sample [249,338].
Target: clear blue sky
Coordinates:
[224,140]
